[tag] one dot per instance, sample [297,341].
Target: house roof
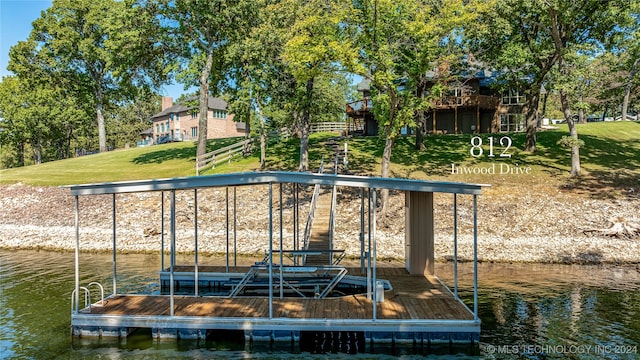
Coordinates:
[213,103]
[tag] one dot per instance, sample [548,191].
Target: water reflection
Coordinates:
[527,311]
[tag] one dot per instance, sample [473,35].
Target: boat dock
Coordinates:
[300,285]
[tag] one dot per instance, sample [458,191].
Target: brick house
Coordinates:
[469,106]
[180,122]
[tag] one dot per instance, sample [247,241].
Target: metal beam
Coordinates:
[255,178]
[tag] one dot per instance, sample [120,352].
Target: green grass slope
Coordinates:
[610,160]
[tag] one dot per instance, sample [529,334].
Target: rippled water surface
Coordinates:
[527,311]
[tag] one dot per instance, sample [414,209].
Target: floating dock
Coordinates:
[294,290]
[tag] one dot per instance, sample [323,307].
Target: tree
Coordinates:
[42,116]
[107,49]
[288,69]
[317,46]
[517,42]
[204,29]
[628,43]
[13,127]
[401,41]
[433,42]
[128,119]
[596,20]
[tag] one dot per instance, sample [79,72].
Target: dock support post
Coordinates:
[235,234]
[172,256]
[295,221]
[113,215]
[374,282]
[270,250]
[77,254]
[226,224]
[475,257]
[162,231]
[362,230]
[419,239]
[281,235]
[455,246]
[195,240]
[369,243]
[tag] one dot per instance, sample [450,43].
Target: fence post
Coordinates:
[213,161]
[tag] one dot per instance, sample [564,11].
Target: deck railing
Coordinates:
[482,101]
[359,106]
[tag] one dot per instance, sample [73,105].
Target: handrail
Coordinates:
[101,292]
[312,210]
[87,297]
[332,216]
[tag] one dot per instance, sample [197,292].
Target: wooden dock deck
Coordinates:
[415,304]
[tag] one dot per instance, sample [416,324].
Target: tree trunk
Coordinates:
[386,153]
[305,129]
[582,119]
[102,132]
[627,88]
[421,118]
[544,104]
[37,150]
[532,118]
[573,132]
[263,136]
[204,104]
[384,165]
[20,149]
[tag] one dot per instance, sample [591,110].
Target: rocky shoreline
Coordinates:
[540,225]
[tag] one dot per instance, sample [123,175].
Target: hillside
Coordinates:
[610,160]
[539,215]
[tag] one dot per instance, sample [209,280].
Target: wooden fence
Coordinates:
[328,127]
[225,154]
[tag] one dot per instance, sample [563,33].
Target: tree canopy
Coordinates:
[87,75]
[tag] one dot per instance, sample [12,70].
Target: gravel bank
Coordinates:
[543,225]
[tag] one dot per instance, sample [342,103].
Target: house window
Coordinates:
[512,122]
[219,114]
[455,92]
[171,117]
[194,114]
[513,97]
[157,129]
[194,132]
[177,117]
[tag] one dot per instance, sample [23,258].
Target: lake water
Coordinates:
[527,311]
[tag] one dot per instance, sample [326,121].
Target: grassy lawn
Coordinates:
[610,160]
[152,162]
